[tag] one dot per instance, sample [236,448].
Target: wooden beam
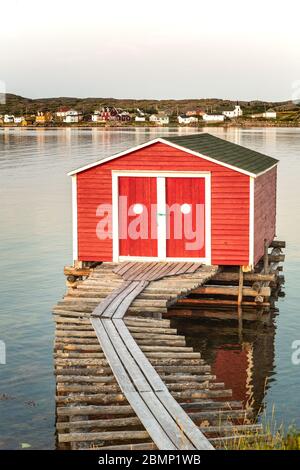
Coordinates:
[231,290]
[277,244]
[266,257]
[240,288]
[195,302]
[228,276]
[276,258]
[74,271]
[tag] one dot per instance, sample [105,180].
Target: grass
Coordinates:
[270,437]
[266,441]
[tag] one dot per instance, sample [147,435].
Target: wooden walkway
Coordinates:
[137,367]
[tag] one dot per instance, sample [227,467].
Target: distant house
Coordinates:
[269,114]
[236,112]
[43,118]
[124,116]
[213,117]
[140,118]
[72,116]
[18,119]
[96,116]
[195,112]
[107,114]
[101,115]
[113,113]
[187,119]
[160,118]
[62,112]
[8,118]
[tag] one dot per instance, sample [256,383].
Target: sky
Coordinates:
[157,49]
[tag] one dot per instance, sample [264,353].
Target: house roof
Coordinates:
[63,109]
[225,152]
[208,147]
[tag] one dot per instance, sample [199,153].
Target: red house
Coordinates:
[195,198]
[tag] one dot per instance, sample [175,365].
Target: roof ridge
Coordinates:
[221,140]
[235,155]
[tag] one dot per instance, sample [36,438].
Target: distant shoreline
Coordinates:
[243,125]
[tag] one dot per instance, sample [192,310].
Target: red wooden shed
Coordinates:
[195,198]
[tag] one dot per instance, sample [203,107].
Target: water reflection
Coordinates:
[35,244]
[242,358]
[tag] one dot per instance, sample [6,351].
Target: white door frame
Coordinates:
[161,195]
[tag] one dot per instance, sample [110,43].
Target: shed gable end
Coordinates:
[229,201]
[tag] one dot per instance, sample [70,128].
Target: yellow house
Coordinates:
[42,118]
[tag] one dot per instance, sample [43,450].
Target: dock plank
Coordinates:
[141,360]
[144,364]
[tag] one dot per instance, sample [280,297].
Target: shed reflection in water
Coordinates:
[242,358]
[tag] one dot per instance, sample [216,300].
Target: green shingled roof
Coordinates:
[225,152]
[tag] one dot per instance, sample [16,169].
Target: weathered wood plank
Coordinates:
[145,366]
[184,422]
[125,358]
[112,357]
[167,422]
[101,308]
[126,302]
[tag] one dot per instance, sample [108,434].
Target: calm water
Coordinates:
[35,243]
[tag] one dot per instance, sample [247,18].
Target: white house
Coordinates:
[159,118]
[97,116]
[18,119]
[72,116]
[62,112]
[213,117]
[186,119]
[140,119]
[234,113]
[9,118]
[270,114]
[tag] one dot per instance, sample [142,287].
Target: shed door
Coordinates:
[185,199]
[137,216]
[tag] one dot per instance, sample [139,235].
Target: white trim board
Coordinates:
[161,175]
[74,218]
[161,217]
[171,144]
[251,221]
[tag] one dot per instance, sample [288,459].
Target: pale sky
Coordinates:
[151,49]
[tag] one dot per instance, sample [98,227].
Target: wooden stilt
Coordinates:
[240,323]
[266,257]
[241,282]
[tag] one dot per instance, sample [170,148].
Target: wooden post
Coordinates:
[266,257]
[240,323]
[241,282]
[78,264]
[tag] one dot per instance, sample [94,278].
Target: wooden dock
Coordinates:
[130,382]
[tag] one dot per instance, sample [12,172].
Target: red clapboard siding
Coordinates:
[229,211]
[192,192]
[264,211]
[145,188]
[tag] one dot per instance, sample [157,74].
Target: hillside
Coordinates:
[19,105]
